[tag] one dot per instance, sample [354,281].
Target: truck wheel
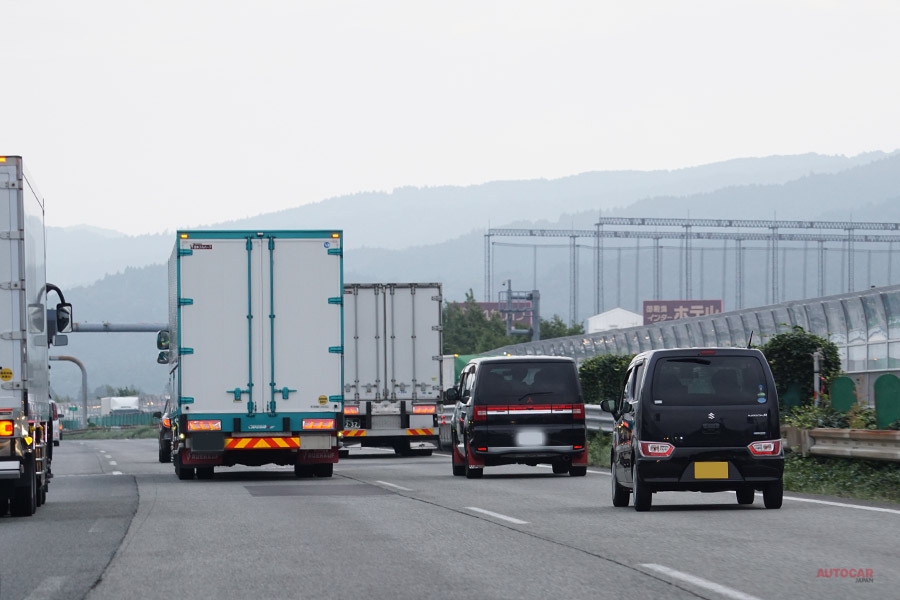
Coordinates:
[323,469]
[303,471]
[402,448]
[24,502]
[183,473]
[205,472]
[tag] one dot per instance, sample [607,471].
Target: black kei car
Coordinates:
[164,432]
[518,410]
[697,419]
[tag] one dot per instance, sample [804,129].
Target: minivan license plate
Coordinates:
[530,438]
[711,470]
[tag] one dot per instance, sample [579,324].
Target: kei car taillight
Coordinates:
[765,448]
[167,423]
[656,449]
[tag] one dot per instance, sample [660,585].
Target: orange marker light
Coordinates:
[7,428]
[351,410]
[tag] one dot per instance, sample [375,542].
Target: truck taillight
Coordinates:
[656,449]
[765,448]
[7,428]
[423,410]
[351,410]
[204,425]
[318,423]
[480,413]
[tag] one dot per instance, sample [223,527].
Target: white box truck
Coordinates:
[27,330]
[254,344]
[119,405]
[393,354]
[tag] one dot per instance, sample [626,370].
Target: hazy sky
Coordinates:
[148,116]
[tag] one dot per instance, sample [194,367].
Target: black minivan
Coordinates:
[697,419]
[518,410]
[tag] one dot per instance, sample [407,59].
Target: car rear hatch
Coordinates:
[529,404]
[712,401]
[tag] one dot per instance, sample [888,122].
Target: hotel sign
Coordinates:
[657,311]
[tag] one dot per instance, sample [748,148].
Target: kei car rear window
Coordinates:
[511,383]
[709,380]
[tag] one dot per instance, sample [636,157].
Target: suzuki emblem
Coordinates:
[711,416]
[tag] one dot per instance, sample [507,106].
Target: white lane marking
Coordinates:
[700,582]
[843,505]
[113,463]
[117,472]
[47,590]
[497,515]
[393,485]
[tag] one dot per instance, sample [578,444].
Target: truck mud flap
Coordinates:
[310,457]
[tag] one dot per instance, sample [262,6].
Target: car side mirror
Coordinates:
[157,415]
[609,406]
[452,395]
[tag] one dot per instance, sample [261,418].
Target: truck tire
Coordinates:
[205,472]
[402,448]
[183,473]
[303,470]
[323,469]
[24,501]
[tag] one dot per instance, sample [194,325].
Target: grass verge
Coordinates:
[828,476]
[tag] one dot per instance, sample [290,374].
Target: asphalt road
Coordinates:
[118,524]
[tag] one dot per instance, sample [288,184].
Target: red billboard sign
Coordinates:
[657,311]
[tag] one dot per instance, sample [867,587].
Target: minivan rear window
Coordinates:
[511,383]
[709,380]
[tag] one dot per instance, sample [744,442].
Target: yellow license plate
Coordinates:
[711,470]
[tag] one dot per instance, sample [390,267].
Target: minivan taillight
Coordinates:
[578,412]
[765,448]
[656,449]
[480,413]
